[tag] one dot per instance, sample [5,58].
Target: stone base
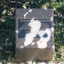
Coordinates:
[30,54]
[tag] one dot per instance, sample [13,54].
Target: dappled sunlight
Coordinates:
[44,34]
[28,41]
[4,11]
[30,10]
[44,38]
[22,46]
[41,44]
[16,31]
[33,43]
[53,47]
[35,26]
[52,29]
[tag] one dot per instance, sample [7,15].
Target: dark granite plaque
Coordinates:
[34,34]
[23,27]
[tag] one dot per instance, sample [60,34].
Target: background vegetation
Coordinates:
[7,25]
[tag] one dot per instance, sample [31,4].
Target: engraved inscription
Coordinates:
[24,28]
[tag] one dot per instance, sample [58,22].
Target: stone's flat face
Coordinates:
[34,34]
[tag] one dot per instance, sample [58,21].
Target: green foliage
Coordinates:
[1,9]
[7,24]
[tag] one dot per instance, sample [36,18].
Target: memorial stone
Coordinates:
[34,34]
